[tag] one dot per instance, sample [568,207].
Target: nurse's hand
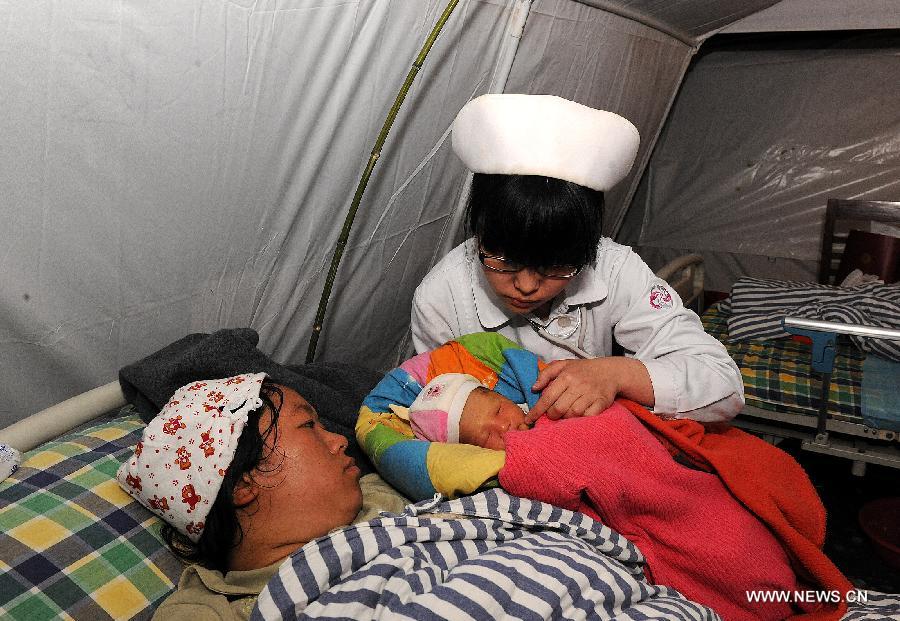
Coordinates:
[586,387]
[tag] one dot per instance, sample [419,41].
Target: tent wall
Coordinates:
[606,61]
[759,137]
[184,166]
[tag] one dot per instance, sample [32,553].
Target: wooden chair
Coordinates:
[843,216]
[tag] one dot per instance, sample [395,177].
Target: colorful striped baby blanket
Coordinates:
[418,468]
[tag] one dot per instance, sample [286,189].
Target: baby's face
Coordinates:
[486,416]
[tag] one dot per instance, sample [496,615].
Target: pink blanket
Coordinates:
[695,536]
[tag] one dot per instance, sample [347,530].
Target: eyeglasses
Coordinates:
[496,263]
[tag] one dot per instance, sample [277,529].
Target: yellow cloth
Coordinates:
[206,595]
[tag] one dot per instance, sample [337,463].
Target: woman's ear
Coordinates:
[245,491]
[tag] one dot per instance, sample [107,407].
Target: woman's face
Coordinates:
[307,485]
[525,291]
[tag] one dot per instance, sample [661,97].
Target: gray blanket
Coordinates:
[335,390]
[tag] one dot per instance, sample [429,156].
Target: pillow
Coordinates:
[72,542]
[419,468]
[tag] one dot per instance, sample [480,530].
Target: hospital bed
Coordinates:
[783,388]
[74,545]
[783,394]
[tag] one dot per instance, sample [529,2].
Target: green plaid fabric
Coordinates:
[73,544]
[778,375]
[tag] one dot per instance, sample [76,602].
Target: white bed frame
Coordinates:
[56,420]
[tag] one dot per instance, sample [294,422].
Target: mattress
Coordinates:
[73,544]
[778,375]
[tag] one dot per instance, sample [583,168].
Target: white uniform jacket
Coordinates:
[692,374]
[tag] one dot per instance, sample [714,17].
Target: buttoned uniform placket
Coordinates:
[565,322]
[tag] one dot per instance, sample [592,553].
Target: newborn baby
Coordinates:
[457,408]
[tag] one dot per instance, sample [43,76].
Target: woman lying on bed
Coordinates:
[228,464]
[244,476]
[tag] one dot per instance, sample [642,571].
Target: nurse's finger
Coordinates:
[562,407]
[548,374]
[581,406]
[547,399]
[596,407]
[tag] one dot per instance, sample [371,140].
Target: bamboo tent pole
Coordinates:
[364,180]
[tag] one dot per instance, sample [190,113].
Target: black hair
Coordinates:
[222,531]
[535,221]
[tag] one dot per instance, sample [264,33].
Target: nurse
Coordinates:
[536,269]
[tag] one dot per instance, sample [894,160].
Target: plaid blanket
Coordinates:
[72,543]
[778,375]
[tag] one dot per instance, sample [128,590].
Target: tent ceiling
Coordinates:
[690,22]
[817,15]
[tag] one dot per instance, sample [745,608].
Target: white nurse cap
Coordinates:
[545,135]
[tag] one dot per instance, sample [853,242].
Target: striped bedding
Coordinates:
[778,375]
[758,305]
[510,558]
[489,556]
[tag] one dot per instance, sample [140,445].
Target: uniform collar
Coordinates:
[586,288]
